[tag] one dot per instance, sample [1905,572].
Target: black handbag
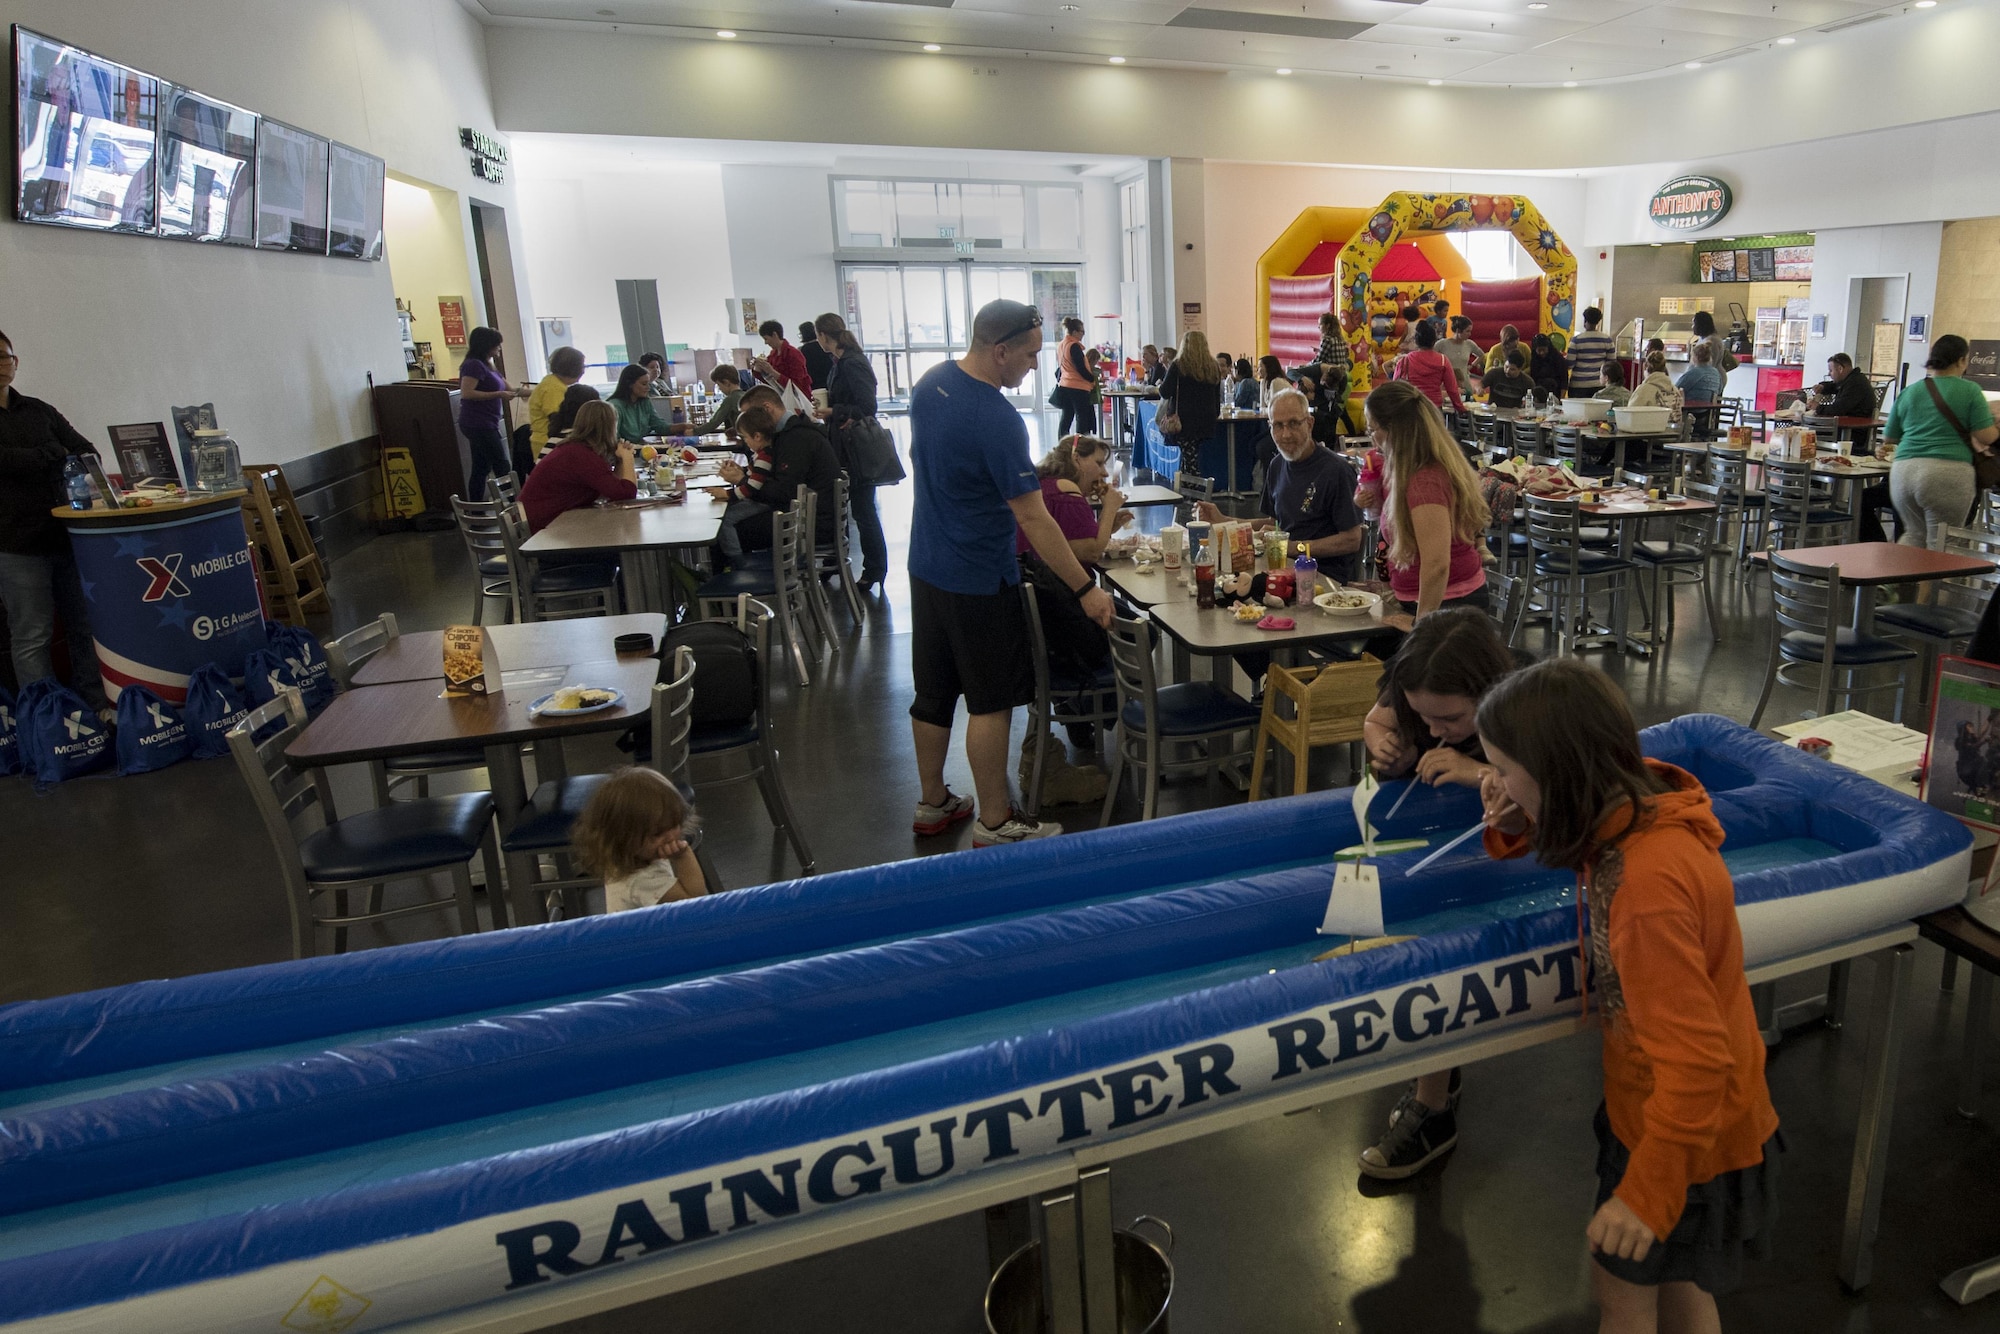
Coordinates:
[872,453]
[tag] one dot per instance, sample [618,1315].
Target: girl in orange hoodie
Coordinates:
[1687,1138]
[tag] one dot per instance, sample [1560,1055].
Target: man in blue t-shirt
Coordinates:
[968,626]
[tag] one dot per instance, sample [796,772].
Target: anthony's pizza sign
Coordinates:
[1689,203]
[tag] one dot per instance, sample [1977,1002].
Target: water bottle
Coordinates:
[1307,570]
[76,482]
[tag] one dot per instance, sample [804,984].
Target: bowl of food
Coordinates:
[1348,602]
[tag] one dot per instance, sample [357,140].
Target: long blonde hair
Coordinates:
[1060,462]
[596,425]
[1196,362]
[1417,440]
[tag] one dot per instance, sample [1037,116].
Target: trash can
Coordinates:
[1143,1272]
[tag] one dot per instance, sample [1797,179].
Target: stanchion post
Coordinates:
[1062,1270]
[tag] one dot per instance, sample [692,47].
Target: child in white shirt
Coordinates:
[633,834]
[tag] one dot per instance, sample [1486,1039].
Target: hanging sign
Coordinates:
[1689,203]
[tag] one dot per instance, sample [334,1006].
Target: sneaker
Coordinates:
[1418,1138]
[1016,829]
[936,819]
[1410,1095]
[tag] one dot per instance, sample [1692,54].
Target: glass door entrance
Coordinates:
[911,317]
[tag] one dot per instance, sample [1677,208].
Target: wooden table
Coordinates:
[1961,937]
[646,536]
[420,656]
[408,717]
[1869,565]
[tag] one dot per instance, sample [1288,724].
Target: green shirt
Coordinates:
[1920,431]
[637,420]
[724,416]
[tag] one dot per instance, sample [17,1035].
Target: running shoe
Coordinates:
[1016,829]
[1418,1138]
[936,819]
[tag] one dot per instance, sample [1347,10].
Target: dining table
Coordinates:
[1215,634]
[1230,417]
[1850,474]
[1867,566]
[411,717]
[538,646]
[646,534]
[1120,401]
[1627,517]
[1147,493]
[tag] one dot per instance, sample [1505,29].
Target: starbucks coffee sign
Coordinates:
[1689,203]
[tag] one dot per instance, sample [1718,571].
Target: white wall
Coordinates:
[780,226]
[1843,254]
[282,343]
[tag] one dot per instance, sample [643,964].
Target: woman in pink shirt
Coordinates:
[1433,519]
[1428,369]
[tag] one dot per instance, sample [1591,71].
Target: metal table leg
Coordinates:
[510,795]
[1978,1012]
[1871,1132]
[1100,1279]
[1062,1272]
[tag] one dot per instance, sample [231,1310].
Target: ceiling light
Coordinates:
[1284,71]
[1571,83]
[1069,9]
[1436,83]
[1926,4]
[1786,41]
[1117,60]
[1538,5]
[726,35]
[932,46]
[1692,64]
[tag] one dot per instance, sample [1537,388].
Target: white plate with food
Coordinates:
[1348,602]
[574,701]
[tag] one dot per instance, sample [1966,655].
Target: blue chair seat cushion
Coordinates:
[574,578]
[493,567]
[1062,683]
[435,761]
[545,821]
[756,579]
[1668,553]
[398,839]
[1191,709]
[1817,518]
[709,738]
[1591,562]
[1940,622]
[1849,649]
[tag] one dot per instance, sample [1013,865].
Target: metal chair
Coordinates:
[1699,420]
[479,528]
[1154,719]
[1563,570]
[1569,445]
[1728,485]
[1808,603]
[782,582]
[1794,515]
[364,850]
[1093,701]
[504,487]
[555,592]
[1943,626]
[1674,563]
[815,587]
[836,557]
[346,655]
[750,738]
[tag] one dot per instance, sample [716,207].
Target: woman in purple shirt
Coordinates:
[1071,473]
[481,391]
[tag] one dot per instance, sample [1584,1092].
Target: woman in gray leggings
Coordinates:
[1933,428]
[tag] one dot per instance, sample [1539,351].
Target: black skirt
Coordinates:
[1725,1219]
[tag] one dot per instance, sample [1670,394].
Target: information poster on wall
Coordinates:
[750,320]
[451,314]
[1190,317]
[144,455]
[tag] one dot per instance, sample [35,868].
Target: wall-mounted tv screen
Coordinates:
[291,188]
[208,168]
[85,135]
[354,204]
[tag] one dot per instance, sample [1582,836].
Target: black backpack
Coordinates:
[1078,647]
[725,681]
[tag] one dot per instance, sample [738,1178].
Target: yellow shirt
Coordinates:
[542,405]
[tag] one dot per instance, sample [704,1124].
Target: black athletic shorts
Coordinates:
[970,644]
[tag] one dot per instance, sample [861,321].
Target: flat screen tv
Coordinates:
[85,134]
[354,204]
[208,168]
[291,188]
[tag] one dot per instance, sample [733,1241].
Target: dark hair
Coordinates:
[1456,651]
[1704,324]
[806,331]
[1592,317]
[1656,345]
[759,419]
[1427,334]
[1461,325]
[769,327]
[1571,729]
[626,379]
[832,326]
[650,359]
[566,362]
[1071,324]
[1002,321]
[573,398]
[725,375]
[1543,343]
[1412,312]
[1303,378]
[1842,359]
[1328,321]
[1441,308]
[1947,352]
[1244,370]
[1273,369]
[479,344]
[1517,358]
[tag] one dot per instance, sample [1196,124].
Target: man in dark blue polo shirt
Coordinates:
[1308,492]
[968,627]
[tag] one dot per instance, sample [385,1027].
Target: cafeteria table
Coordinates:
[1962,936]
[539,644]
[645,534]
[1869,565]
[1215,634]
[1149,494]
[1850,479]
[409,717]
[1231,416]
[1118,400]
[1628,516]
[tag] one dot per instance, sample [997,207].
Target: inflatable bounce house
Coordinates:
[1368,264]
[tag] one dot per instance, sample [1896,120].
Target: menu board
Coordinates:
[86,129]
[1794,263]
[1763,265]
[291,188]
[354,204]
[208,169]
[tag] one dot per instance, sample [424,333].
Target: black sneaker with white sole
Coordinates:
[1410,1094]
[1418,1138]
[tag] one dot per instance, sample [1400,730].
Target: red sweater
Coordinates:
[569,477]
[790,364]
[1683,1061]
[1430,372]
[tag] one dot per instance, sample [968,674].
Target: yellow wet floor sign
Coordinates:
[400,488]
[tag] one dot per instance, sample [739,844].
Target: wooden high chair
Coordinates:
[287,558]
[1328,706]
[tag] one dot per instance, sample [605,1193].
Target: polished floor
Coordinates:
[110,880]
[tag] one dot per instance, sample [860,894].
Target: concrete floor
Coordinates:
[110,880]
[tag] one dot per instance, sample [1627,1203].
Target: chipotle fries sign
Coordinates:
[1689,203]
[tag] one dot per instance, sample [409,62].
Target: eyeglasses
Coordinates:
[1034,322]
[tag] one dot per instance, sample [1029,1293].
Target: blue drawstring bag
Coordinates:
[214,705]
[152,734]
[24,710]
[67,739]
[10,742]
[302,652]
[264,671]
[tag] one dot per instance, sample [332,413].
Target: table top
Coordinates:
[186,506]
[1145,587]
[1144,391]
[1963,934]
[614,528]
[1214,630]
[1639,509]
[420,656]
[1242,415]
[1151,495]
[1887,562]
[405,717]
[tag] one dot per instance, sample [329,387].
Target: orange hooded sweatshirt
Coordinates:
[1683,1060]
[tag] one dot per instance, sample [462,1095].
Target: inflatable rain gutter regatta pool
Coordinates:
[352,1142]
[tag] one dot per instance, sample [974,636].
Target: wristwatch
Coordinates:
[1302,548]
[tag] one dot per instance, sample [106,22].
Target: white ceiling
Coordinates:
[1457,41]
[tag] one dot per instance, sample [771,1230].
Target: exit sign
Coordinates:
[962,247]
